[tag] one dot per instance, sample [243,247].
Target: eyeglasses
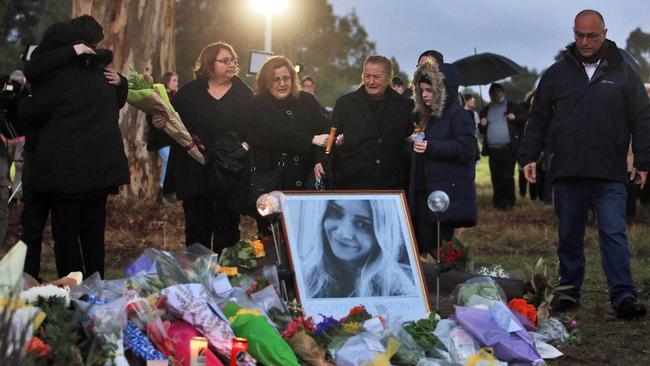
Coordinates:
[590,36]
[285,78]
[229,61]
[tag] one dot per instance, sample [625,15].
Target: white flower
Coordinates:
[46,292]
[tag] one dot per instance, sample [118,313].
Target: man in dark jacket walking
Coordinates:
[501,123]
[374,122]
[587,105]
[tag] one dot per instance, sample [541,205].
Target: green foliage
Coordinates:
[638,44]
[540,287]
[520,84]
[139,81]
[331,48]
[22,23]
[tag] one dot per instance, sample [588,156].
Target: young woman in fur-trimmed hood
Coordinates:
[445,160]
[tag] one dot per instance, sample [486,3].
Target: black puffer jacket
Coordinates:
[588,123]
[204,117]
[79,150]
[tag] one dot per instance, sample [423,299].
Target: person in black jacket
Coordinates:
[501,123]
[587,106]
[287,127]
[61,44]
[214,103]
[445,160]
[79,156]
[373,122]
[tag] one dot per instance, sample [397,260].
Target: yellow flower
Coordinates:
[258,248]
[352,327]
[230,271]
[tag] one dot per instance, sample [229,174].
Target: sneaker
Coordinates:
[629,308]
[564,304]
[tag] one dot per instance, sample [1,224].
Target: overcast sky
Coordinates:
[529,32]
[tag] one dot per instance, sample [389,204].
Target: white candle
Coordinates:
[198,349]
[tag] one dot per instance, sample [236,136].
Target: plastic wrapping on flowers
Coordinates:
[476,291]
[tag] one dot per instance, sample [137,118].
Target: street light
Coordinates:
[268,8]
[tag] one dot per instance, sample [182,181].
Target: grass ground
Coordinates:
[507,238]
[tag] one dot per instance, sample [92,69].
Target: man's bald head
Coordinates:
[589,32]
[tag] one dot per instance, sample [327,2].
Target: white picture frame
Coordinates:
[354,248]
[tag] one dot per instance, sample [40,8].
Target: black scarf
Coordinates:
[601,54]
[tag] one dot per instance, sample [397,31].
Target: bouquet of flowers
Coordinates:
[152,99]
[299,334]
[522,307]
[455,254]
[243,254]
[540,288]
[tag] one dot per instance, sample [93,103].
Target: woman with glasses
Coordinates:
[287,128]
[214,103]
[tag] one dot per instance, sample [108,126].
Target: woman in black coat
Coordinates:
[78,154]
[445,160]
[287,127]
[215,102]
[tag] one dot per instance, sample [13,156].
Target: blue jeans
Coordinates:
[573,198]
[164,156]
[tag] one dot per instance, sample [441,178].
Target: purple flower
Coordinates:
[328,323]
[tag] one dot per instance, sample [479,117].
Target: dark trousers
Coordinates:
[210,222]
[426,230]
[573,197]
[78,231]
[502,172]
[33,219]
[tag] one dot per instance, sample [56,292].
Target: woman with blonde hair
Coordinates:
[352,248]
[445,159]
[214,103]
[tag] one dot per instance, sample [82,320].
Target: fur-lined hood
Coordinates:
[444,82]
[437,85]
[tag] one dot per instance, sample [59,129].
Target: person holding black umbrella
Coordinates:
[501,124]
[587,107]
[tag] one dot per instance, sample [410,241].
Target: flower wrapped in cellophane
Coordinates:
[264,342]
[299,334]
[152,99]
[194,304]
[156,269]
[103,304]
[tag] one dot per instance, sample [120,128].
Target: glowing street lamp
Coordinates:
[268,8]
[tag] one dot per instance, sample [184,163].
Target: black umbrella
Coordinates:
[630,59]
[485,68]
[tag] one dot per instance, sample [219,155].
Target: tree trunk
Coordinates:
[140,33]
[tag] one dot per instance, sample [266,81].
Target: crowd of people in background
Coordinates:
[390,136]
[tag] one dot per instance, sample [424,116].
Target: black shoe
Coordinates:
[564,304]
[629,308]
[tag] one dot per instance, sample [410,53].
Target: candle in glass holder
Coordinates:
[239,346]
[198,348]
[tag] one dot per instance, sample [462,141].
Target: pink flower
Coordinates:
[573,324]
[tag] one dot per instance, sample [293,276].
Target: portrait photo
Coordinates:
[351,249]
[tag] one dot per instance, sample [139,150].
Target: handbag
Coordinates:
[265,181]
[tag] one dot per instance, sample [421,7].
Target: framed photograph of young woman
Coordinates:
[354,248]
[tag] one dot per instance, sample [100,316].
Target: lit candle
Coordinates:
[239,346]
[198,348]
